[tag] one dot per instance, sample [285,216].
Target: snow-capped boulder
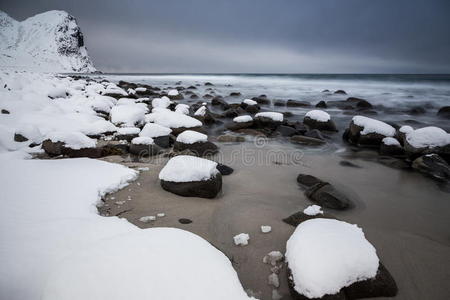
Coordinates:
[127,133]
[319,119]
[391,146]
[182,109]
[72,144]
[175,121]
[174,94]
[241,122]
[48,42]
[196,142]
[365,131]
[159,134]
[402,132]
[162,102]
[269,120]
[325,255]
[128,115]
[191,176]
[250,106]
[313,210]
[144,146]
[428,140]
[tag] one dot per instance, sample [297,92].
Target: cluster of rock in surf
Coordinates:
[176,128]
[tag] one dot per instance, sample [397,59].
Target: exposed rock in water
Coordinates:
[224,170]
[296,103]
[432,165]
[444,112]
[342,92]
[301,139]
[321,104]
[203,189]
[230,139]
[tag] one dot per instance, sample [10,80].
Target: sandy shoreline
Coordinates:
[402,213]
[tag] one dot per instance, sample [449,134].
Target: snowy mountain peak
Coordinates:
[50,42]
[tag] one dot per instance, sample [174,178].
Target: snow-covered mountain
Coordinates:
[47,42]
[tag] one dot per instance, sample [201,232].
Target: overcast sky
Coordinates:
[264,36]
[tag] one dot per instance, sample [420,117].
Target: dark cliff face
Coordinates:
[69,37]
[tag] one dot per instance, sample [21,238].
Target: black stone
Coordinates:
[224,170]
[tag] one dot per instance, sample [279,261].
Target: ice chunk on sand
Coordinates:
[266,229]
[313,210]
[241,239]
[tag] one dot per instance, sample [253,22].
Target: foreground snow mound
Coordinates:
[48,42]
[186,168]
[325,255]
[128,115]
[147,265]
[54,245]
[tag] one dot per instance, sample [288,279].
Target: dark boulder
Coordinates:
[203,189]
[198,148]
[342,92]
[321,104]
[296,103]
[230,139]
[224,170]
[235,94]
[307,180]
[279,103]
[219,101]
[444,112]
[208,84]
[5,112]
[305,140]
[315,124]
[262,99]
[391,149]
[143,150]
[433,166]
[325,195]
[286,130]
[19,138]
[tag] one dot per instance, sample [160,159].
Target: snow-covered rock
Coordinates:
[196,142]
[241,239]
[365,131]
[128,115]
[162,102]
[176,121]
[173,92]
[73,140]
[201,111]
[48,42]
[142,140]
[154,130]
[160,134]
[243,119]
[319,119]
[190,137]
[182,108]
[274,116]
[325,255]
[185,168]
[191,176]
[428,137]
[250,102]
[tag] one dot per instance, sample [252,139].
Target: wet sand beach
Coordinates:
[403,214]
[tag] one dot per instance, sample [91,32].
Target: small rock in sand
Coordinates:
[273,258]
[276,295]
[266,229]
[273,280]
[241,239]
[185,221]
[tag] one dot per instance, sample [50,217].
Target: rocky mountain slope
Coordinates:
[48,42]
